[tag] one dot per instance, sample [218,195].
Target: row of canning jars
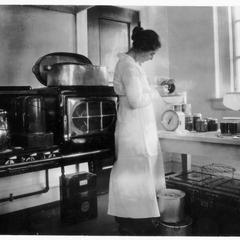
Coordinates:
[199,124]
[196,123]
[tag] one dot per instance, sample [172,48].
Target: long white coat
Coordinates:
[138,172]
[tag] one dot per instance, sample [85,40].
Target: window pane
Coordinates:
[236,13]
[237,38]
[237,75]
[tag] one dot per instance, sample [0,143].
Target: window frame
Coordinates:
[223,41]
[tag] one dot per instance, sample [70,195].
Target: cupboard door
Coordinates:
[109,33]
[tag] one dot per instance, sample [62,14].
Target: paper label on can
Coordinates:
[83,182]
[85,206]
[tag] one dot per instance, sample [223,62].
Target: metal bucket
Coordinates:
[183,228]
[171,205]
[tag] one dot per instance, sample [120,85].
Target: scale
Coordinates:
[173,120]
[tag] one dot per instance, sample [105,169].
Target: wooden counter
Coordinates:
[206,144]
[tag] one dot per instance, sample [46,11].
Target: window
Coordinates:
[235,22]
[226,25]
[223,50]
[226,28]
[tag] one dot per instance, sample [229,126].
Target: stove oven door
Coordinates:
[90,121]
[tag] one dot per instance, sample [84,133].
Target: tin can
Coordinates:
[196,116]
[201,125]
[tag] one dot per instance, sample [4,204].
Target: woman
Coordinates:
[138,174]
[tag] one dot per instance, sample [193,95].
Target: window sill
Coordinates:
[217,104]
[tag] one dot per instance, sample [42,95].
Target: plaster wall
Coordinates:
[28,33]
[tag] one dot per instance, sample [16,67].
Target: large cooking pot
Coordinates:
[43,64]
[64,68]
[61,74]
[171,205]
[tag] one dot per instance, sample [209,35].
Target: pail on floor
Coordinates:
[171,205]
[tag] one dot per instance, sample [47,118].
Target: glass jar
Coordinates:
[189,122]
[196,116]
[212,124]
[201,125]
[234,127]
[224,127]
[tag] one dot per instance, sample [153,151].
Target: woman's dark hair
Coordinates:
[145,40]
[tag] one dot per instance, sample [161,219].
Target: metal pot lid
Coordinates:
[44,63]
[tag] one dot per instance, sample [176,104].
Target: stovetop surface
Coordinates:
[87,91]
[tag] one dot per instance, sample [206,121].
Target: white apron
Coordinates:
[138,173]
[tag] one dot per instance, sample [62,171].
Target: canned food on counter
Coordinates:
[212,124]
[189,122]
[234,127]
[201,125]
[230,126]
[196,116]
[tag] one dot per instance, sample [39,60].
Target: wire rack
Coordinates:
[218,170]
